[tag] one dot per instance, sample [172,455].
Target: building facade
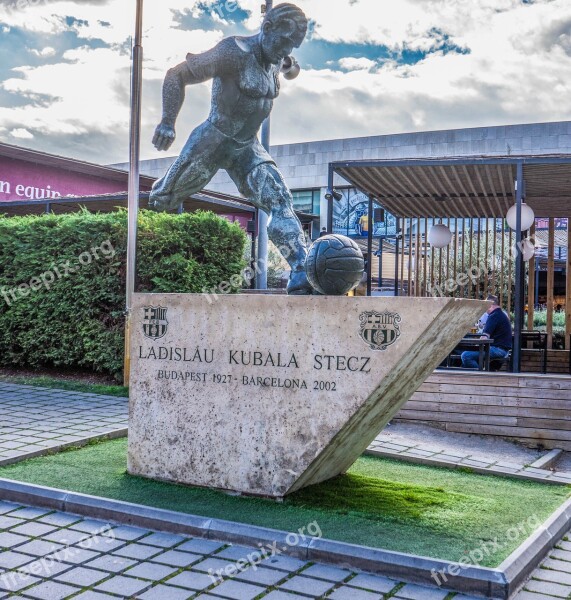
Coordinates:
[28,176]
[305,165]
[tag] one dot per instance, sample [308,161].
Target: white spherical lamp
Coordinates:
[527,217]
[439,236]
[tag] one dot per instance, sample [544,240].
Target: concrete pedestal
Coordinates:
[265,395]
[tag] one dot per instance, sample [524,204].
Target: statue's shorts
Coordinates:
[206,151]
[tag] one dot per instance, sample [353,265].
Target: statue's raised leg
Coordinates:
[266,188]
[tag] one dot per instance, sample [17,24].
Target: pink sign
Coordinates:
[23,181]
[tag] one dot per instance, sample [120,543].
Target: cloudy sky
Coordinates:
[369,67]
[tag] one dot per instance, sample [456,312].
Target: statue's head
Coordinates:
[284,29]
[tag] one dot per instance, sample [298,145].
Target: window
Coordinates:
[307,201]
[303,201]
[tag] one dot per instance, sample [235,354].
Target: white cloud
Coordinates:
[22,134]
[395,24]
[357,64]
[46,52]
[516,70]
[88,91]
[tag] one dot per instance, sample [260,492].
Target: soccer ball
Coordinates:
[334,265]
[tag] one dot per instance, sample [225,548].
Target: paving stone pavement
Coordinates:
[431,455]
[49,555]
[552,579]
[35,420]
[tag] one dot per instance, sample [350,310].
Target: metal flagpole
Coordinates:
[134,156]
[262,266]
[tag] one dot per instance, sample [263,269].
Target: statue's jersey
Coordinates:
[243,88]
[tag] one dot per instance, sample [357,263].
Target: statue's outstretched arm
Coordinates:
[176,80]
[196,69]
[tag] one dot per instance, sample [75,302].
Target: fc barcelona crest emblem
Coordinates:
[380,330]
[155,324]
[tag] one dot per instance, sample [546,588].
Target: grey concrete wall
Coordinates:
[305,165]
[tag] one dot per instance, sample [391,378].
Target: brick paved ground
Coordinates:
[46,555]
[50,555]
[383,446]
[553,579]
[34,420]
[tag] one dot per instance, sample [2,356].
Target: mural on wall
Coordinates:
[543,224]
[351,216]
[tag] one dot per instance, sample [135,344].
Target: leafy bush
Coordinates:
[540,319]
[540,324]
[51,316]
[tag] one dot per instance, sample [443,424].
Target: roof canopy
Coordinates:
[463,187]
[221,204]
[205,200]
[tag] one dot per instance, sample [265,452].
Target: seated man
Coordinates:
[499,328]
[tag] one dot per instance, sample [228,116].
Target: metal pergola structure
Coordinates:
[466,187]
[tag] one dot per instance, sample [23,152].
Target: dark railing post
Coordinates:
[370,222]
[381,240]
[252,229]
[397,246]
[381,262]
[330,199]
[519,273]
[536,303]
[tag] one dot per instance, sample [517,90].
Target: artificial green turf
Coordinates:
[71,386]
[380,503]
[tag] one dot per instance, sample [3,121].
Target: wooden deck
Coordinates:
[532,409]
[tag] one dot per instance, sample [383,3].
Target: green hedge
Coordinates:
[51,316]
[540,319]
